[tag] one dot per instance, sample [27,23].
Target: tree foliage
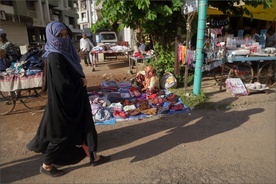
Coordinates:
[159,18]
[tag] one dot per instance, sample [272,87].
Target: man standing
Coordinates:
[86,46]
[254,35]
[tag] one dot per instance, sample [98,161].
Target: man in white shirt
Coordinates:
[86,46]
[254,35]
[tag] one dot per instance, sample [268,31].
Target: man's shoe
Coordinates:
[102,160]
[54,172]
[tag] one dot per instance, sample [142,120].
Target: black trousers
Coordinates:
[66,153]
[87,58]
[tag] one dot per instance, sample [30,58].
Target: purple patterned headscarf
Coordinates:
[60,45]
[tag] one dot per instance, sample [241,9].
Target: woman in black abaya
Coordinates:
[66,129]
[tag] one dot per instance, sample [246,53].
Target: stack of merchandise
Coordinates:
[128,103]
[109,85]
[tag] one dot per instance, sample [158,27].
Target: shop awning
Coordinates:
[259,12]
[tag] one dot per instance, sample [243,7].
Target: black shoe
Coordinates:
[102,160]
[54,172]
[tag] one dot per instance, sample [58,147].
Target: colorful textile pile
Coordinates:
[182,50]
[109,86]
[128,103]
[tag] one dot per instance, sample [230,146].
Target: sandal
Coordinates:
[54,172]
[102,160]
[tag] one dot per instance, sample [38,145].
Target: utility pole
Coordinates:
[202,13]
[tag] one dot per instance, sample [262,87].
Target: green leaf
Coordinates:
[167,10]
[151,15]
[142,4]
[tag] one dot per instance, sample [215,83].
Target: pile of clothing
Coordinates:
[130,102]
[29,63]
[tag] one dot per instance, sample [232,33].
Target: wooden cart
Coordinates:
[24,89]
[241,67]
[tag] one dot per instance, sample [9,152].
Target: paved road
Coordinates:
[215,145]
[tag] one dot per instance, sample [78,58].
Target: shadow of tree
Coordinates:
[177,130]
[25,168]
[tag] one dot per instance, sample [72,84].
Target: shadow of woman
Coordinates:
[175,129]
[28,167]
[20,169]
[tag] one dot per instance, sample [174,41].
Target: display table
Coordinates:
[253,58]
[113,52]
[265,72]
[133,61]
[16,82]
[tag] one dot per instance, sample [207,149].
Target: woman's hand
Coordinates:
[84,81]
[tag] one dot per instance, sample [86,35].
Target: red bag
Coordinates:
[120,114]
[152,96]
[178,107]
[157,101]
[172,98]
[134,92]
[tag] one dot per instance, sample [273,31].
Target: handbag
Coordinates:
[173,98]
[178,107]
[163,110]
[143,104]
[157,101]
[150,111]
[114,97]
[134,112]
[134,92]
[120,114]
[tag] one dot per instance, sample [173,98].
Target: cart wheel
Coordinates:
[7,102]
[266,74]
[244,71]
[220,75]
[33,100]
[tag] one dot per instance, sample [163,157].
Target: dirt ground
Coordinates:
[215,145]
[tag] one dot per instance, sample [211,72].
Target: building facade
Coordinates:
[25,20]
[90,12]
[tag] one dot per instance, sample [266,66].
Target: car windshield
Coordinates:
[107,37]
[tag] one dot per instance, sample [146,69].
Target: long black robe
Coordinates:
[67,118]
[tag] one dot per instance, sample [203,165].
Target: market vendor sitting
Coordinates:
[147,80]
